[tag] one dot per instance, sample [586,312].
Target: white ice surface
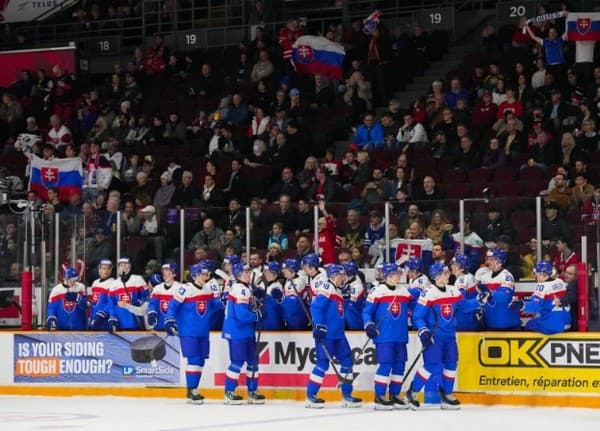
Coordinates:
[156,414]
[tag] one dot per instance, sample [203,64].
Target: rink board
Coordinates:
[494,368]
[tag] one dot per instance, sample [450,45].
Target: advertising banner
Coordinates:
[529,363]
[27,10]
[78,357]
[13,62]
[287,359]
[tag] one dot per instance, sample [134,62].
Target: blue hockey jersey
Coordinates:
[387,307]
[192,307]
[160,298]
[497,313]
[98,298]
[131,291]
[240,319]
[437,307]
[292,310]
[327,309]
[467,321]
[272,307]
[69,315]
[551,316]
[353,306]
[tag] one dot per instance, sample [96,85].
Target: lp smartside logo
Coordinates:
[539,353]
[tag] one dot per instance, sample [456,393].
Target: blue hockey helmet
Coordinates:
[498,254]
[351,269]
[200,268]
[209,264]
[414,264]
[155,279]
[274,267]
[334,269]
[291,264]
[389,269]
[70,273]
[171,266]
[437,269]
[543,267]
[311,260]
[233,259]
[462,261]
[239,268]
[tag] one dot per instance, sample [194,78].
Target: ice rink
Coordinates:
[158,414]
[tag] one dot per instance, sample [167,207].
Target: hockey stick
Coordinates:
[341,378]
[258,329]
[414,362]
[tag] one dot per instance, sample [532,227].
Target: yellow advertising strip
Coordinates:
[291,394]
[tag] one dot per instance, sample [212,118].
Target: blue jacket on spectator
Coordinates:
[365,136]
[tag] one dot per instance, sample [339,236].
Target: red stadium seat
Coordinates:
[505,173]
[531,173]
[480,175]
[454,176]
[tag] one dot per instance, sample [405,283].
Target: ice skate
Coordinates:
[381,403]
[193,397]
[231,398]
[449,401]
[314,402]
[351,402]
[255,398]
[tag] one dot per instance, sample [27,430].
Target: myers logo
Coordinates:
[128,370]
[539,352]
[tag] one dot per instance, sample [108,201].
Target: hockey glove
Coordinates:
[277,294]
[51,323]
[259,293]
[224,297]
[260,315]
[483,297]
[113,325]
[319,333]
[171,327]
[72,297]
[99,320]
[426,338]
[152,318]
[516,305]
[346,293]
[371,330]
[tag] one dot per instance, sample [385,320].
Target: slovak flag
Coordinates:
[65,174]
[316,54]
[583,26]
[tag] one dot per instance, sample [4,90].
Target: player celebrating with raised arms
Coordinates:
[241,315]
[67,304]
[161,296]
[434,319]
[386,321]
[189,315]
[327,311]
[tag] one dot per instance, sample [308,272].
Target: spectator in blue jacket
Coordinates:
[369,135]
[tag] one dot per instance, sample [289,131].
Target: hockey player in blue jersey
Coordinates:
[434,319]
[386,322]
[316,276]
[189,315]
[98,296]
[466,283]
[551,317]
[241,316]
[415,277]
[354,297]
[67,304]
[327,310]
[273,296]
[501,284]
[161,296]
[126,289]
[296,291]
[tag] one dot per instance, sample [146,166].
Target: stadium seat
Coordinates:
[454,176]
[480,175]
[505,173]
[531,173]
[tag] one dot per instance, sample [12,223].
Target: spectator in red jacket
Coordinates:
[485,112]
[327,236]
[565,256]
